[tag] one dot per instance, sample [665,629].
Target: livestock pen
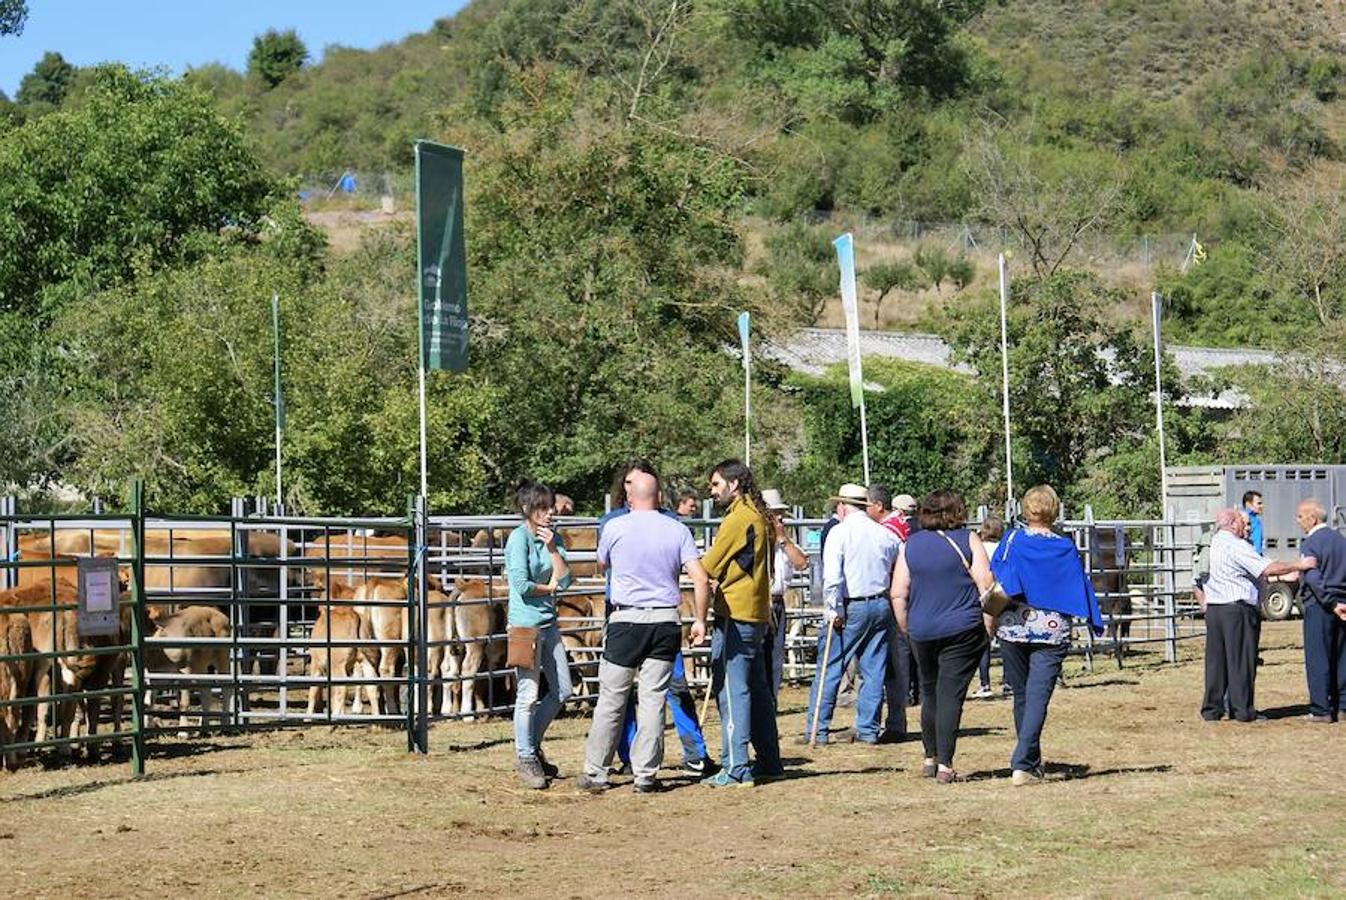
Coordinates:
[402,616]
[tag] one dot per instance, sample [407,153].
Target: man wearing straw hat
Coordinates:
[857,567]
[787,560]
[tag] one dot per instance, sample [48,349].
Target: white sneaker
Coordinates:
[984,692]
[1021,777]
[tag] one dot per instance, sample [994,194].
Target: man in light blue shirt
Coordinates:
[857,568]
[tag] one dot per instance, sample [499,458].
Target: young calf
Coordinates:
[16,637]
[194,659]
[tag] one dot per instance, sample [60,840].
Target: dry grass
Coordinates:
[1145,799]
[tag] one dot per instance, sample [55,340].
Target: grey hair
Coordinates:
[1226,518]
[1313,504]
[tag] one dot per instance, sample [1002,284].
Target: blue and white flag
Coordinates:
[846,263]
[743,320]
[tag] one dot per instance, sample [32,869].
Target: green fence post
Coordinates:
[137,635]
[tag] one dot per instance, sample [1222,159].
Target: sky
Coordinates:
[179,34]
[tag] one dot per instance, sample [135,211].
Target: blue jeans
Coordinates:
[1031,671]
[683,705]
[743,696]
[864,638]
[897,688]
[531,714]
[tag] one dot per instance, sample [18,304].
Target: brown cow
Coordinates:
[56,631]
[341,623]
[193,659]
[476,614]
[159,543]
[16,637]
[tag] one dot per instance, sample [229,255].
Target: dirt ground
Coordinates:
[1143,798]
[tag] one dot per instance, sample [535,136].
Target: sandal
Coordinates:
[929,770]
[947,776]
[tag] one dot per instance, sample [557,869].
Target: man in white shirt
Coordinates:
[857,567]
[1229,595]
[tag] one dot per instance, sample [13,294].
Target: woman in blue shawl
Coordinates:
[1041,571]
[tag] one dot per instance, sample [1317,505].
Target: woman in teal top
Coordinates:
[535,564]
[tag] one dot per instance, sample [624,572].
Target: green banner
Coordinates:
[442,257]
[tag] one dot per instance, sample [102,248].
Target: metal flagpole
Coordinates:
[1156,303]
[420,321]
[743,325]
[279,400]
[1004,378]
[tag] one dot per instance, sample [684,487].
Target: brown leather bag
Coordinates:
[522,647]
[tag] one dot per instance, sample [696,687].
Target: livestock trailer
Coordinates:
[1196,492]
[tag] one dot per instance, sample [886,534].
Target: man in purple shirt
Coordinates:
[643,551]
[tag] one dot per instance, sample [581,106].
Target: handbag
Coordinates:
[521,652]
[993,600]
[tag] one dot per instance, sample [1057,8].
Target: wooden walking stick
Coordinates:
[710,689]
[822,681]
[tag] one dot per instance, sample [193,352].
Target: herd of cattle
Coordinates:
[351,587]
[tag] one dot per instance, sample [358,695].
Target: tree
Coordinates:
[13,13]
[867,51]
[926,431]
[140,174]
[1081,388]
[602,305]
[1049,199]
[886,277]
[276,55]
[46,86]
[1307,222]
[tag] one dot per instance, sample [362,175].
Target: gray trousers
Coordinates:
[651,679]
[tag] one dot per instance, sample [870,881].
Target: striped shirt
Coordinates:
[1234,569]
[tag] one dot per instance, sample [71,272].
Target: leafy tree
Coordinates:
[934,262]
[1081,389]
[926,431]
[46,86]
[13,13]
[886,277]
[139,174]
[276,55]
[801,270]
[603,304]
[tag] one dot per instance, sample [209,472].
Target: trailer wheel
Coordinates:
[1279,602]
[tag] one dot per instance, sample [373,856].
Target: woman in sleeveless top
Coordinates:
[937,584]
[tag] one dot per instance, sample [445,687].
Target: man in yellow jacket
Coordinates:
[739,561]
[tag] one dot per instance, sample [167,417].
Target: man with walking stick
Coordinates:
[857,567]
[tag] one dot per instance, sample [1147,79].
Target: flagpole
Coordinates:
[1156,304]
[279,401]
[744,323]
[864,437]
[420,320]
[1004,380]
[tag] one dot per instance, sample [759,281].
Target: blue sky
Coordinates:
[180,33]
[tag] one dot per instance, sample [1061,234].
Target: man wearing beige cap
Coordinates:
[857,566]
[786,560]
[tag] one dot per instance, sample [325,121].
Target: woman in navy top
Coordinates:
[938,580]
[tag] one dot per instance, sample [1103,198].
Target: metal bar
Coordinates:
[137,633]
[422,631]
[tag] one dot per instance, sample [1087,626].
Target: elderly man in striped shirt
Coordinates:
[1229,596]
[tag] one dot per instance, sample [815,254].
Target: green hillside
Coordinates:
[638,172]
